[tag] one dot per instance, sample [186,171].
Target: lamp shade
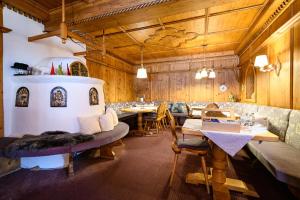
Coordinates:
[212,74]
[204,73]
[198,75]
[261,61]
[141,73]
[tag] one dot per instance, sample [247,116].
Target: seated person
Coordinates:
[214,113]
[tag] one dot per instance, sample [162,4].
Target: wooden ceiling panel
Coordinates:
[235,5]
[142,35]
[182,16]
[236,20]
[52,4]
[196,26]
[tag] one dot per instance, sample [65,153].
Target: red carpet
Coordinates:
[140,172]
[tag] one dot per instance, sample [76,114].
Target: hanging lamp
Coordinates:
[142,72]
[63,25]
[212,73]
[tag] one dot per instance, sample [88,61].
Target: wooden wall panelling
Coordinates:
[120,86]
[228,78]
[160,87]
[119,81]
[280,85]
[109,76]
[201,90]
[130,87]
[262,88]
[296,74]
[180,86]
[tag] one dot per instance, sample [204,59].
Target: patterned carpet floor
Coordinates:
[140,172]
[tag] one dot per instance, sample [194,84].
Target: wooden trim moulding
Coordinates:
[285,13]
[107,65]
[44,35]
[4,29]
[183,20]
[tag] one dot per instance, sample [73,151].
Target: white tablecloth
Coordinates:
[230,142]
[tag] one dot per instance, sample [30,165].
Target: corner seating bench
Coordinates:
[281,159]
[104,140]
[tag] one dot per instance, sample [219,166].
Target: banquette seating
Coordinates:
[99,140]
[280,158]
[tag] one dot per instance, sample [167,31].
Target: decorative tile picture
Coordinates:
[94,100]
[58,97]
[79,69]
[22,97]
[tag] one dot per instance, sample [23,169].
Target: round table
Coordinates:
[140,111]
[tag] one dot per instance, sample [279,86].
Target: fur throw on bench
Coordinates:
[44,141]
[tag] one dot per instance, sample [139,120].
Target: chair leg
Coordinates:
[145,125]
[157,127]
[203,163]
[173,170]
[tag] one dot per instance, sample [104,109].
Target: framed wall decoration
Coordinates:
[22,97]
[93,94]
[250,84]
[58,97]
[79,69]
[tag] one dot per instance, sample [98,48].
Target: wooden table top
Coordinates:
[265,136]
[146,109]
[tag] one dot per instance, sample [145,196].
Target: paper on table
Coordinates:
[194,124]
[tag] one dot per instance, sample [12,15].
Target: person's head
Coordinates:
[214,113]
[212,105]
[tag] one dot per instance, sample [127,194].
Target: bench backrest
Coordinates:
[293,132]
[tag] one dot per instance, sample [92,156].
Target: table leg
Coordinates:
[140,121]
[220,191]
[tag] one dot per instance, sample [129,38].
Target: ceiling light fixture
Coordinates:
[142,72]
[205,72]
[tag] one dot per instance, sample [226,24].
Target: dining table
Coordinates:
[140,110]
[225,144]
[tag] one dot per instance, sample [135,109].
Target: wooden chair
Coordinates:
[157,121]
[196,146]
[190,113]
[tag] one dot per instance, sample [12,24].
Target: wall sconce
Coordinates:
[262,62]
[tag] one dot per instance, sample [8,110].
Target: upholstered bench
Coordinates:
[103,140]
[282,158]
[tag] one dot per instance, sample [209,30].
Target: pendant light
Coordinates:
[63,25]
[198,75]
[212,73]
[142,72]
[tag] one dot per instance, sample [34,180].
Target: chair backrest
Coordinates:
[172,123]
[161,110]
[188,109]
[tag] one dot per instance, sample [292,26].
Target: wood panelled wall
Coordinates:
[279,90]
[118,75]
[175,81]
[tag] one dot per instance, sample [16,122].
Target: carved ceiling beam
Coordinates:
[183,20]
[28,8]
[44,35]
[211,33]
[254,31]
[131,37]
[88,19]
[161,24]
[183,48]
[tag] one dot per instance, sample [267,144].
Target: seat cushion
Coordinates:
[278,119]
[293,132]
[281,159]
[104,138]
[193,143]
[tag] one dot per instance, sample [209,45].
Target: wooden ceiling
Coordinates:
[166,28]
